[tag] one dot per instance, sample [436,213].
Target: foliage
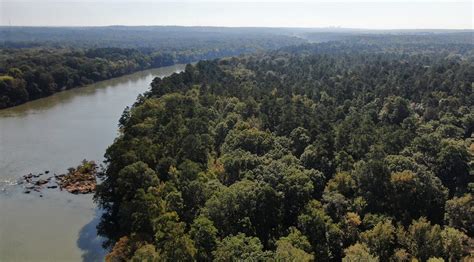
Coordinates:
[240,248]
[331,151]
[460,213]
[54,59]
[358,253]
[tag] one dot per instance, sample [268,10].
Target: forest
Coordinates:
[352,150]
[38,62]
[163,38]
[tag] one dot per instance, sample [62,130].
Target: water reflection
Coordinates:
[89,242]
[66,97]
[55,133]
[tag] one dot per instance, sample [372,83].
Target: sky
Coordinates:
[418,14]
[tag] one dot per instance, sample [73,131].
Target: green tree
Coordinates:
[299,140]
[146,253]
[381,239]
[373,181]
[240,248]
[401,255]
[416,194]
[322,233]
[460,213]
[453,165]
[236,163]
[248,207]
[317,158]
[395,110]
[287,252]
[204,235]
[454,243]
[422,239]
[298,240]
[358,253]
[248,139]
[133,177]
[171,240]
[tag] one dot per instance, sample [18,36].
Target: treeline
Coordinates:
[326,152]
[453,44]
[162,38]
[28,74]
[31,73]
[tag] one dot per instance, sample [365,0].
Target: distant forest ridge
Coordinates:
[161,37]
[39,61]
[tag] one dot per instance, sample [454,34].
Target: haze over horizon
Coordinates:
[319,14]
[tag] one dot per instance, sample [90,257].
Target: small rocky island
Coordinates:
[79,180]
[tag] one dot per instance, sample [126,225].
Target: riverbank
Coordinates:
[66,96]
[52,134]
[10,82]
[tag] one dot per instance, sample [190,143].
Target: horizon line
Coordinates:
[249,27]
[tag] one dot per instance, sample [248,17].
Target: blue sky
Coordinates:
[349,14]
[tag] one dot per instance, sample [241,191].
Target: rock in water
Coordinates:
[79,180]
[41,182]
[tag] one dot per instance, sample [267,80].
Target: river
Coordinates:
[55,133]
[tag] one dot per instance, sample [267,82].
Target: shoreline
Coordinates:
[92,84]
[39,136]
[5,112]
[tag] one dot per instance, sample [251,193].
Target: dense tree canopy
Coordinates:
[327,152]
[37,62]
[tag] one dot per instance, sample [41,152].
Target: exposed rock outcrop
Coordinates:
[79,180]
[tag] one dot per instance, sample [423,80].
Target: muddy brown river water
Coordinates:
[55,133]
